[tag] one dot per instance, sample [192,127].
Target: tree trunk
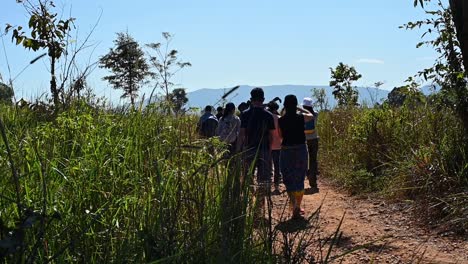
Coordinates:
[460,17]
[53,83]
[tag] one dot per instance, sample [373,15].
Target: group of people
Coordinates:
[283,145]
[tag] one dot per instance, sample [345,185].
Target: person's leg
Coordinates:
[313,150]
[248,167]
[264,173]
[276,164]
[309,161]
[296,201]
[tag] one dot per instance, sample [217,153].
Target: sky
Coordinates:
[238,42]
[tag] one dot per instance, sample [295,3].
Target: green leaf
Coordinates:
[19,39]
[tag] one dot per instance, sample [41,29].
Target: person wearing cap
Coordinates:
[256,138]
[312,144]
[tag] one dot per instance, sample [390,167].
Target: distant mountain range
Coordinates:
[203,97]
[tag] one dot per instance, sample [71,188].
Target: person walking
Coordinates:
[312,139]
[206,126]
[293,157]
[229,127]
[256,138]
[276,146]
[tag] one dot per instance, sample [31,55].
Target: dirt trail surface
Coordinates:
[402,241]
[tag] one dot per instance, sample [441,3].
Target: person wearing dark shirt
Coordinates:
[256,138]
[207,124]
[293,157]
[219,112]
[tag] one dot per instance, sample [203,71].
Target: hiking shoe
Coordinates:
[313,189]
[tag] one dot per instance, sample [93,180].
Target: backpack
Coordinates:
[208,127]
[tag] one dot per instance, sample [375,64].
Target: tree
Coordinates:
[342,78]
[6,93]
[178,99]
[166,64]
[460,17]
[46,32]
[321,99]
[407,94]
[449,70]
[128,65]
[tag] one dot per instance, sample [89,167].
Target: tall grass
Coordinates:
[415,152]
[113,187]
[100,185]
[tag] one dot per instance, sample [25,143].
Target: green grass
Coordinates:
[415,152]
[113,187]
[97,185]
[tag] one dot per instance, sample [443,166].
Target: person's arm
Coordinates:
[270,137]
[308,116]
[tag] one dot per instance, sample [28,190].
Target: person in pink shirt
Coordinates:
[276,146]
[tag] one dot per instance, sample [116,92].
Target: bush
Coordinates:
[412,152]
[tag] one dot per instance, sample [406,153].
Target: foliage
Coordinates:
[166,64]
[47,31]
[6,93]
[321,99]
[448,71]
[178,99]
[342,78]
[407,94]
[414,152]
[128,65]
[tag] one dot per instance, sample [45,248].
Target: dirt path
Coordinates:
[366,221]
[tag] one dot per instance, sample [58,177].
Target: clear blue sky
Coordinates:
[230,42]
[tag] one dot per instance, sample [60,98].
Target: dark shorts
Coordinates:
[261,160]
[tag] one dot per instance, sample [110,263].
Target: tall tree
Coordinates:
[449,70]
[48,32]
[342,78]
[166,63]
[128,64]
[460,17]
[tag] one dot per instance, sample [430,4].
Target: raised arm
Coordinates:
[308,116]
